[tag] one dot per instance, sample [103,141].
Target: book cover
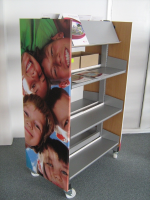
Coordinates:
[78,35]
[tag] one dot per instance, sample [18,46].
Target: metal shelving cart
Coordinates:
[96,119]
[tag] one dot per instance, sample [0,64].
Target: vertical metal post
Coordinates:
[102,85]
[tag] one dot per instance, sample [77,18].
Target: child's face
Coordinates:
[57,63]
[34,122]
[55,170]
[33,79]
[61,111]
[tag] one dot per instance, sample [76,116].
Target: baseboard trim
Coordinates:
[135,131]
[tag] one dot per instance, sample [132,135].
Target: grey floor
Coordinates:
[125,178]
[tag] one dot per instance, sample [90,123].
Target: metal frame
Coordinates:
[89,141]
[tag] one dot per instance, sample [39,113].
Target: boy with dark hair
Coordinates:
[54,159]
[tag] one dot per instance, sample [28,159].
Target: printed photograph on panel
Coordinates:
[46,87]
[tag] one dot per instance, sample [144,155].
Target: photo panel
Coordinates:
[46,88]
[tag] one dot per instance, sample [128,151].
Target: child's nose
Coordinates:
[34,74]
[29,123]
[57,59]
[57,176]
[32,78]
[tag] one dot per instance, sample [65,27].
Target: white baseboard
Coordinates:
[135,131]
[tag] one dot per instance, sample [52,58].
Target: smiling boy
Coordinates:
[38,121]
[33,79]
[56,62]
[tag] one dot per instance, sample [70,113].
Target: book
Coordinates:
[79,37]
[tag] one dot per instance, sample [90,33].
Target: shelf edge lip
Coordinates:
[90,138]
[85,68]
[85,111]
[86,129]
[86,146]
[113,146]
[83,108]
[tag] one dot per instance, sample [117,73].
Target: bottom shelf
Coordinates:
[87,155]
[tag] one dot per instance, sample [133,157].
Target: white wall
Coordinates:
[12,11]
[5,133]
[138,12]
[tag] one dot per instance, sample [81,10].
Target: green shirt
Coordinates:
[36,33]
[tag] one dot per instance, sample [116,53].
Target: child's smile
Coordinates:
[28,131]
[56,64]
[28,67]
[33,79]
[67,57]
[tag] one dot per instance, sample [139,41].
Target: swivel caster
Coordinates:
[71,193]
[115,154]
[34,174]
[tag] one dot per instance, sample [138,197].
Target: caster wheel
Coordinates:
[115,155]
[70,194]
[34,174]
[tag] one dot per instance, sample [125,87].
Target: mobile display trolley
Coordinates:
[64,137]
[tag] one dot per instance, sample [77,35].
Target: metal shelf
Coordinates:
[87,155]
[83,139]
[109,72]
[91,117]
[114,67]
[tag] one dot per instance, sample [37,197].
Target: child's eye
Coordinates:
[40,75]
[26,113]
[65,173]
[37,126]
[66,122]
[55,71]
[33,86]
[49,164]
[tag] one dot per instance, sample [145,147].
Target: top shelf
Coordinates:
[99,33]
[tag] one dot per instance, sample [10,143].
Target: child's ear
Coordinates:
[59,35]
[64,84]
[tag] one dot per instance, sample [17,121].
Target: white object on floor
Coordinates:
[72,195]
[115,155]
[34,174]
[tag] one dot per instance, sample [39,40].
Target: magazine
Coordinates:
[90,74]
[79,37]
[79,79]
